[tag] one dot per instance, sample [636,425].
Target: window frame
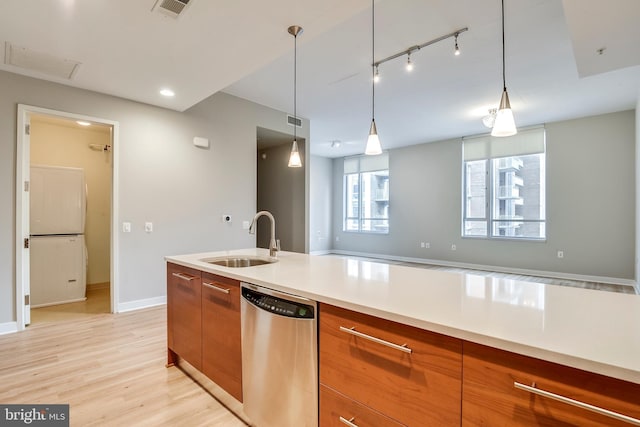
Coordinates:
[489,206]
[360,219]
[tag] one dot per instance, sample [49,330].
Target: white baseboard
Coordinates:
[140,304]
[321,252]
[8,328]
[523,271]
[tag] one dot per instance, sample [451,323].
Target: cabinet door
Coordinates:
[417,387]
[337,410]
[184,323]
[221,349]
[491,398]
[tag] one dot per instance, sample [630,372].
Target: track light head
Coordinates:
[409,65]
[456,52]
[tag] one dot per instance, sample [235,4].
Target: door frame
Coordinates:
[22,206]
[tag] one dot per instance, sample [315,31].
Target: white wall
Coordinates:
[590,204]
[320,239]
[163,178]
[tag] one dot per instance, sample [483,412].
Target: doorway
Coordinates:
[60,142]
[280,190]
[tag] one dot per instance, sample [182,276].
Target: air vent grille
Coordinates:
[294,121]
[171,7]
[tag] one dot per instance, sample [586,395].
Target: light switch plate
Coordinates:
[126,227]
[148,227]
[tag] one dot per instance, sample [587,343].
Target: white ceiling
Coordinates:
[554,71]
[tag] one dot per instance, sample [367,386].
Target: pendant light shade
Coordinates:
[373,146]
[504,124]
[373,142]
[294,158]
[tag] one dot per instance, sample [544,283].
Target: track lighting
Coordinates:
[412,49]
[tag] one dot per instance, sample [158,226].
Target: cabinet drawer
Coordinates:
[183,313]
[337,410]
[491,398]
[420,386]
[221,352]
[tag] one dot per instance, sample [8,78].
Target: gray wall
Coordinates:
[321,204]
[163,178]
[637,181]
[590,204]
[281,192]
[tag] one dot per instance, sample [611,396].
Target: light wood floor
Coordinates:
[97,303]
[110,368]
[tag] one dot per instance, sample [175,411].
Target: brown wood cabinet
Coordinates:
[221,340]
[491,397]
[337,410]
[184,320]
[203,325]
[407,374]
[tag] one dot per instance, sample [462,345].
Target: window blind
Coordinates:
[366,163]
[528,141]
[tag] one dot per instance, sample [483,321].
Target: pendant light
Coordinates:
[504,124]
[373,142]
[294,157]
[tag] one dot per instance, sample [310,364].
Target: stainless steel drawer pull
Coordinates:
[348,421]
[353,331]
[579,404]
[184,276]
[216,288]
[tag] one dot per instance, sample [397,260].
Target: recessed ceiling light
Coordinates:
[83,123]
[167,92]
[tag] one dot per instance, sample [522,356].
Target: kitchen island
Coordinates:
[594,332]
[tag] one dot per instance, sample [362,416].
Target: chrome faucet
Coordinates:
[274,245]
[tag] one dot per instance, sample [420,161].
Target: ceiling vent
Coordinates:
[173,8]
[40,62]
[294,121]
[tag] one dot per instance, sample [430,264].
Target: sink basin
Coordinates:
[236,261]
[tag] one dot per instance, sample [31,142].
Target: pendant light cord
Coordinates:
[295,84]
[504,81]
[373,60]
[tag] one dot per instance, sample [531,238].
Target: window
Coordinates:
[504,186]
[366,194]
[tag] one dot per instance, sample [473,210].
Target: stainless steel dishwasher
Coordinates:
[279,358]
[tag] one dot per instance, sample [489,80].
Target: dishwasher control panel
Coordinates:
[278,306]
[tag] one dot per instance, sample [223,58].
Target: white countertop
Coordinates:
[596,331]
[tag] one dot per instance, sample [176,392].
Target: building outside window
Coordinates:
[366,194]
[504,186]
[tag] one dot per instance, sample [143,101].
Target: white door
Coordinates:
[23,306]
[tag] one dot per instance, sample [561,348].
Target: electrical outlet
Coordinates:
[560,254]
[126,227]
[427,245]
[422,244]
[454,247]
[148,227]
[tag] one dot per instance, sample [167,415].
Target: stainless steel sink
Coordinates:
[236,261]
